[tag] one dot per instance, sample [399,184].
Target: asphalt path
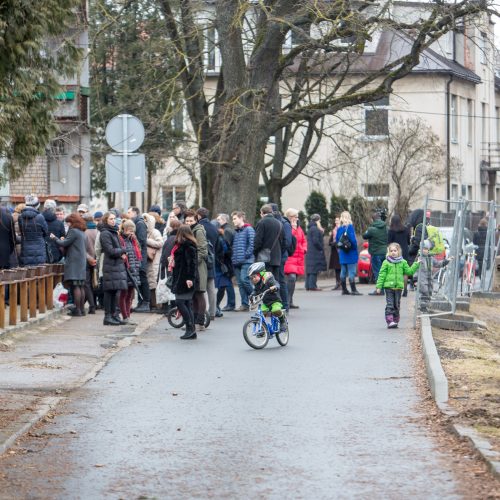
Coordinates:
[335,414]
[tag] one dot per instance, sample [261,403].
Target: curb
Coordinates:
[435,373]
[54,313]
[50,403]
[439,388]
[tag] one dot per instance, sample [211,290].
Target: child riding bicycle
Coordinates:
[263,281]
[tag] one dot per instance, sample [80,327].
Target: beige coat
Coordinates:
[201,240]
[154,241]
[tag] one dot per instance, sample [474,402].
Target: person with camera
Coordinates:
[376,235]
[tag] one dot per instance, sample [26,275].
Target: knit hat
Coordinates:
[315,217]
[87,217]
[49,205]
[428,244]
[82,208]
[155,208]
[31,200]
[98,215]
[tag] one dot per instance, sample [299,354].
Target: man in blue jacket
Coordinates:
[242,256]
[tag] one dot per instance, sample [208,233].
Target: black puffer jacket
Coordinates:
[34,230]
[186,268]
[7,237]
[56,227]
[114,273]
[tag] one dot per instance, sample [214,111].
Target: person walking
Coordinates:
[223,273]
[400,234]
[334,262]
[242,256]
[90,237]
[376,234]
[390,279]
[348,253]
[199,302]
[75,260]
[315,257]
[183,266]
[141,231]
[479,239]
[114,273]
[54,226]
[154,244]
[33,230]
[202,215]
[132,248]
[294,265]
[268,241]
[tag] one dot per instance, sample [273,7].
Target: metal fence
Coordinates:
[470,233]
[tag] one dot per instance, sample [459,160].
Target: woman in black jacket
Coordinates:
[183,264]
[315,256]
[114,272]
[399,233]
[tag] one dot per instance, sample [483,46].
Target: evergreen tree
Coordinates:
[338,204]
[36,49]
[360,214]
[316,204]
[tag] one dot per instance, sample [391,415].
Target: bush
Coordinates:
[360,214]
[338,204]
[316,204]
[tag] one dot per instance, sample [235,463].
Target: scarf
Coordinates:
[171,259]
[394,261]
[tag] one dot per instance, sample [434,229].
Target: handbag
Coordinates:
[344,243]
[48,251]
[163,292]
[264,255]
[151,253]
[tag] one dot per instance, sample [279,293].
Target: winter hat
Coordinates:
[155,208]
[315,217]
[49,205]
[98,215]
[31,200]
[428,244]
[82,208]
[87,217]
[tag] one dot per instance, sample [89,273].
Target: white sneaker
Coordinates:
[392,324]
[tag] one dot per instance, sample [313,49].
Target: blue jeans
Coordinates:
[348,270]
[246,288]
[377,264]
[311,282]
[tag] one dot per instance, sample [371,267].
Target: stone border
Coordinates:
[438,384]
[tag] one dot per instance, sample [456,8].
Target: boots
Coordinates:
[190,333]
[116,317]
[109,320]
[345,291]
[143,308]
[353,288]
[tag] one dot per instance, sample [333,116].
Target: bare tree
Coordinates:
[233,127]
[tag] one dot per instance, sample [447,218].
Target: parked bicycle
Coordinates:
[262,327]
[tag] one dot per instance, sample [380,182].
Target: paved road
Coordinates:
[335,414]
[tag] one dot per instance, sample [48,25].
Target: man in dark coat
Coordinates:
[269,236]
[55,227]
[7,237]
[228,235]
[141,232]
[376,235]
[34,230]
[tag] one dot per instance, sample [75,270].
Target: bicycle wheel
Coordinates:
[256,334]
[282,337]
[467,278]
[207,319]
[175,318]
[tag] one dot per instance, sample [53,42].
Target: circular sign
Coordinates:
[125,133]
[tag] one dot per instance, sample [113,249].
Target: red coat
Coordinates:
[295,263]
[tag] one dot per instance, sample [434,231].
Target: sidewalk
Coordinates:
[43,361]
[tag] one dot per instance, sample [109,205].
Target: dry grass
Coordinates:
[471,361]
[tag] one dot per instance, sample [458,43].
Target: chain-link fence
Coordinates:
[457,244]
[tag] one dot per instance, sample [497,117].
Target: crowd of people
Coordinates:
[114,257]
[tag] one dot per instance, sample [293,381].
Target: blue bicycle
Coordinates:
[262,326]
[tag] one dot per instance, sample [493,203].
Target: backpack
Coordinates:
[435,236]
[293,246]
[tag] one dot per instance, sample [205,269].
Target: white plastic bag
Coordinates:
[59,296]
[163,292]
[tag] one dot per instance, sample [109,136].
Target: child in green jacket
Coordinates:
[391,279]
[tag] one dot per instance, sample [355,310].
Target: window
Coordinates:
[484,139]
[211,51]
[377,190]
[377,118]
[454,191]
[171,194]
[469,192]
[58,147]
[177,120]
[483,48]
[497,121]
[454,118]
[470,122]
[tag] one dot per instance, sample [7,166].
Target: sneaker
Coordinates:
[227,308]
[200,328]
[218,314]
[293,306]
[243,308]
[392,324]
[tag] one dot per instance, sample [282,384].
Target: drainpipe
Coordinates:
[448,141]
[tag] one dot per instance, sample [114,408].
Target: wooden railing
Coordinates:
[30,291]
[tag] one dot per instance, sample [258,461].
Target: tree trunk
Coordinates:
[274,191]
